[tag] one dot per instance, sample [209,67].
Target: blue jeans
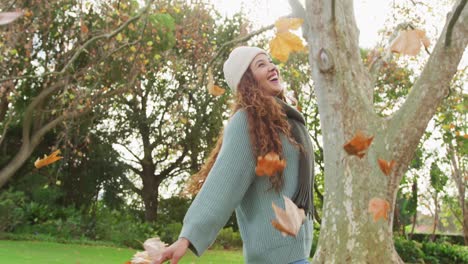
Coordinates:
[302,261]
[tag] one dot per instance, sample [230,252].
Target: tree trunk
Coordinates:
[460,182]
[344,91]
[150,191]
[465,221]
[436,217]
[415,219]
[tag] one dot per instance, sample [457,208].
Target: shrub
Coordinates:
[228,239]
[121,228]
[446,253]
[11,211]
[409,251]
[169,233]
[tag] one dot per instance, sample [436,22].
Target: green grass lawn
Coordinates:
[34,252]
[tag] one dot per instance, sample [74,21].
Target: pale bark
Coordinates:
[344,91]
[460,182]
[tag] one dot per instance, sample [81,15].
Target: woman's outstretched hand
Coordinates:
[174,252]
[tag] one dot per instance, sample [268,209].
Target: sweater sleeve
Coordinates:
[224,188]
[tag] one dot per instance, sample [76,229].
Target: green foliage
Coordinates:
[438,178]
[172,209]
[121,228]
[428,252]
[11,213]
[446,253]
[228,239]
[169,233]
[409,251]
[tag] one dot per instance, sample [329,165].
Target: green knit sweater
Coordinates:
[232,185]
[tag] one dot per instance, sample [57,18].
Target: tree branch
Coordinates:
[453,20]
[408,124]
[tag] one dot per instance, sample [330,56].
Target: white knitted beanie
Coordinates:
[237,63]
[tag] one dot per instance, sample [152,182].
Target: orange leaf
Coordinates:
[285,24]
[285,43]
[269,165]
[386,166]
[409,42]
[288,221]
[358,144]
[48,159]
[379,208]
[212,88]
[215,90]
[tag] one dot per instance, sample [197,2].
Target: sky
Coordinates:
[370,14]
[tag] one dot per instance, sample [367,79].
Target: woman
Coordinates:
[261,123]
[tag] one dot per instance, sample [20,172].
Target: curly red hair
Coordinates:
[266,122]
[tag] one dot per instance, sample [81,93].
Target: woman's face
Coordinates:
[266,74]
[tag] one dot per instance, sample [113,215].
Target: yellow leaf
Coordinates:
[285,24]
[283,44]
[409,42]
[53,157]
[119,37]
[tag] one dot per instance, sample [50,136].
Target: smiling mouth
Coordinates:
[273,78]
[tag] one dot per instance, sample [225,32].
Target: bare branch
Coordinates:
[456,14]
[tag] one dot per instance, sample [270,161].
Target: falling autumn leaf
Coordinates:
[358,144]
[216,90]
[379,208]
[212,88]
[269,165]
[53,157]
[288,221]
[386,166]
[153,249]
[8,17]
[285,24]
[286,42]
[409,42]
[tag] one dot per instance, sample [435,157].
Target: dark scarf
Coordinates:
[303,197]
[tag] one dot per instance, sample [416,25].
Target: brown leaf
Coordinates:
[386,166]
[379,208]
[409,42]
[8,17]
[269,165]
[358,144]
[288,221]
[53,157]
